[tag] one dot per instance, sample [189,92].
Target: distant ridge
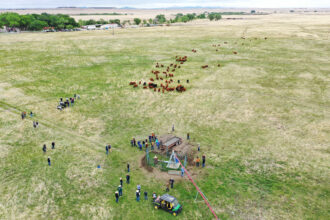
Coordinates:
[87,7]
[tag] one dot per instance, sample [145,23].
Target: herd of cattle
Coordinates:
[165,74]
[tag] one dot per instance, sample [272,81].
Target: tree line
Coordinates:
[36,22]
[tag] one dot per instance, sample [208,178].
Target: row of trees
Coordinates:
[159,19]
[36,22]
[60,21]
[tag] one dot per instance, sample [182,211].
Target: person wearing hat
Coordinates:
[121,181]
[117,196]
[154,196]
[137,195]
[155,160]
[120,190]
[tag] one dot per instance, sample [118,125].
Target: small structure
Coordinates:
[91,27]
[109,26]
[170,143]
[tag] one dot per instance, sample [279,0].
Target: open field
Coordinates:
[262,119]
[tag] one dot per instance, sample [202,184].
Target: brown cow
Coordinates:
[205,66]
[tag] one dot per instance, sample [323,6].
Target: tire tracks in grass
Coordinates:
[49,124]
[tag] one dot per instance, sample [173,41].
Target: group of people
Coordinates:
[152,140]
[198,160]
[170,183]
[67,102]
[35,124]
[23,115]
[119,191]
[44,149]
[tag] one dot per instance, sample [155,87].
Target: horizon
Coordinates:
[174,7]
[163,4]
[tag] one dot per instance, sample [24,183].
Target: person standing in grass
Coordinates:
[127,178]
[120,190]
[140,145]
[48,161]
[203,160]
[138,187]
[106,149]
[197,161]
[134,142]
[128,167]
[199,147]
[121,181]
[173,128]
[171,182]
[137,193]
[157,143]
[188,136]
[53,145]
[182,171]
[145,195]
[154,196]
[117,196]
[44,148]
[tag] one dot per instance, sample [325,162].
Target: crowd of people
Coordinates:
[151,141]
[67,102]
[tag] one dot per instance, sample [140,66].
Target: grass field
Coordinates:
[262,119]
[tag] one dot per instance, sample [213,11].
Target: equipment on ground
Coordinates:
[168,203]
[173,163]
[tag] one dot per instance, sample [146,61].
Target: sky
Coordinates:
[166,3]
